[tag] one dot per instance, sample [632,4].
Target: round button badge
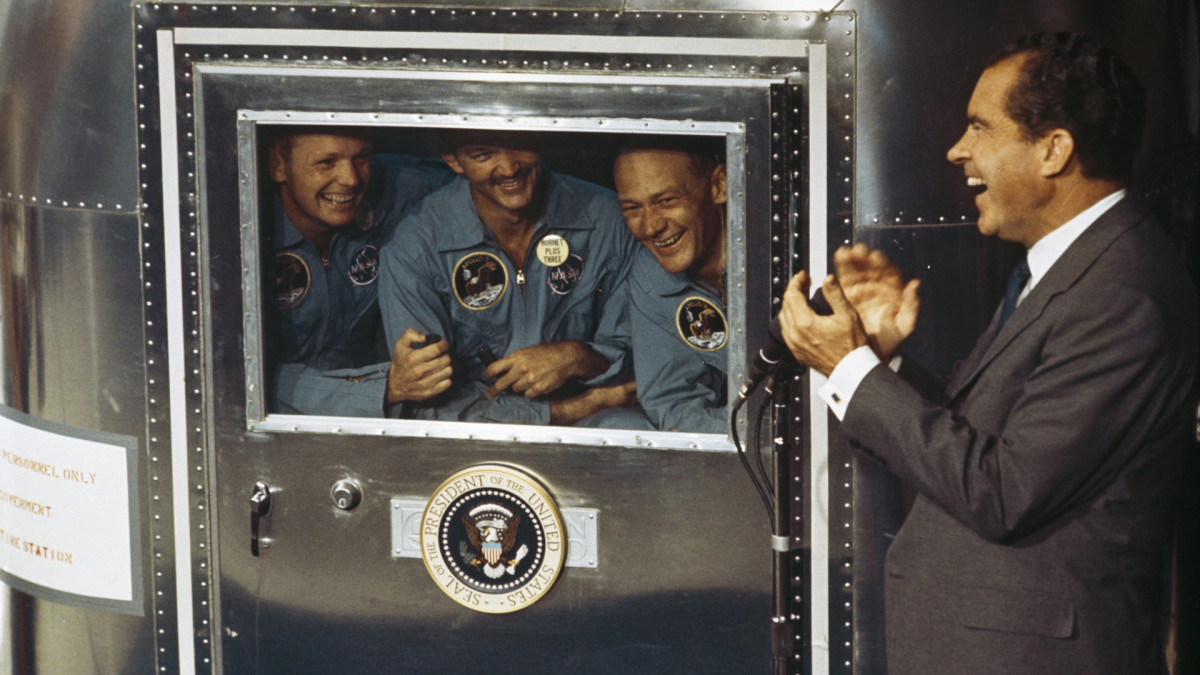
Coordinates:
[553,250]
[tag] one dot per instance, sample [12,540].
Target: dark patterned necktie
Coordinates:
[1016,283]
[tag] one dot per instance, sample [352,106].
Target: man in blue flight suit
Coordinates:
[515,262]
[335,204]
[671,191]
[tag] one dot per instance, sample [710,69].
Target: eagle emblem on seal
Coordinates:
[491,533]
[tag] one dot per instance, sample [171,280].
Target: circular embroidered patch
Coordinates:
[701,324]
[364,265]
[289,280]
[479,280]
[564,278]
[553,250]
[492,538]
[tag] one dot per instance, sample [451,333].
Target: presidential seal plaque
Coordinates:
[492,538]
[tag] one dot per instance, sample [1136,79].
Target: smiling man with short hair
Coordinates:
[335,204]
[1047,469]
[672,192]
[522,272]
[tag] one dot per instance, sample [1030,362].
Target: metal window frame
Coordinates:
[257,417]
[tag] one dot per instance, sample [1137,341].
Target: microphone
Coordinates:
[776,349]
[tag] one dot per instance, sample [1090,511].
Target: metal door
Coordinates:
[668,555]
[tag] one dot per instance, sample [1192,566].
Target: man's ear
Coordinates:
[276,165]
[717,182]
[1058,149]
[451,160]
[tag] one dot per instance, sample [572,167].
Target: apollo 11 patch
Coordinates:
[479,280]
[701,324]
[492,538]
[290,279]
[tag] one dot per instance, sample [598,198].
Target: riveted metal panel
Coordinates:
[446,5]
[897,86]
[65,94]
[73,353]
[656,56]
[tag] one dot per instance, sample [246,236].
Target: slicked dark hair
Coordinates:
[1070,81]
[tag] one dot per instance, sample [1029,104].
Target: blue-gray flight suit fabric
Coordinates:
[445,274]
[332,359]
[679,337]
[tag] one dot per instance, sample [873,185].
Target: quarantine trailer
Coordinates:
[158,514]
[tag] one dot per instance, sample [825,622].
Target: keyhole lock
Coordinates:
[346,494]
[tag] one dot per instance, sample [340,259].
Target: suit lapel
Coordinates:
[966,370]
[1063,274]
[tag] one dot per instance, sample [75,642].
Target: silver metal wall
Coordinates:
[70,288]
[66,96]
[73,354]
[646,603]
[73,340]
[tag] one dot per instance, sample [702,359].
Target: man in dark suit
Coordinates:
[1046,469]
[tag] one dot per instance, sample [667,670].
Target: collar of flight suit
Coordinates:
[651,276]
[286,234]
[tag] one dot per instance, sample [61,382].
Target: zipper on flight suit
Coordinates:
[539,231]
[528,332]
[325,256]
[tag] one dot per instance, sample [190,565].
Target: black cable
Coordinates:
[767,500]
[768,479]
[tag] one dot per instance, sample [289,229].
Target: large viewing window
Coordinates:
[279,279]
[581,122]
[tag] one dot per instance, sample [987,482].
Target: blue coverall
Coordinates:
[324,313]
[679,337]
[445,274]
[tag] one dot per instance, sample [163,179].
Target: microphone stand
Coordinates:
[776,492]
[788,558]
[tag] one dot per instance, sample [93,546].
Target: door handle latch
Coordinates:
[260,505]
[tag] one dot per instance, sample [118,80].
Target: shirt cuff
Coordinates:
[845,378]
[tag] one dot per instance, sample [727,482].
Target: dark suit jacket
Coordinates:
[1045,471]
